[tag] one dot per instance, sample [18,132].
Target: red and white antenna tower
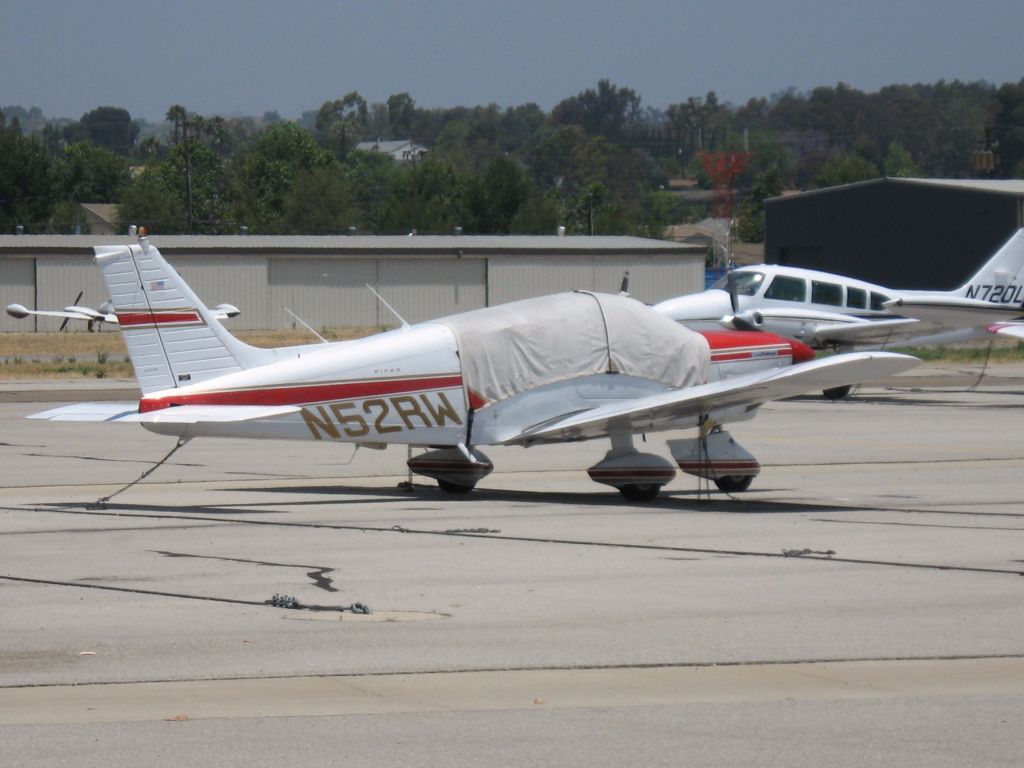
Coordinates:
[723,168]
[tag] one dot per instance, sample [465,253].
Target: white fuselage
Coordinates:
[807,304]
[407,386]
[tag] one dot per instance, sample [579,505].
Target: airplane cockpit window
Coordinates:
[747,283]
[826,293]
[856,298]
[785,288]
[877,300]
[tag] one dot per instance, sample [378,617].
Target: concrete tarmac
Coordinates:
[860,605]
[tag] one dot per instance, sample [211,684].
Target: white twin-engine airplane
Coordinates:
[566,367]
[103,314]
[830,311]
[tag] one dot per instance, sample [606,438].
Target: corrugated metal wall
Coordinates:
[323,292]
[897,234]
[652,278]
[17,286]
[331,290]
[422,289]
[238,280]
[59,279]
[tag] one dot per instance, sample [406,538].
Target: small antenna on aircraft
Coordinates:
[392,309]
[306,325]
[624,288]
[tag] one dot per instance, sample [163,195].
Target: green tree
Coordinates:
[90,174]
[607,112]
[899,164]
[370,177]
[111,128]
[25,194]
[845,169]
[341,123]
[401,111]
[430,197]
[496,197]
[148,201]
[318,203]
[750,213]
[266,172]
[539,215]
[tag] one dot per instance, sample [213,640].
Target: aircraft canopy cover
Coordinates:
[518,346]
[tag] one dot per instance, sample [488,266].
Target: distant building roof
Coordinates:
[402,150]
[996,186]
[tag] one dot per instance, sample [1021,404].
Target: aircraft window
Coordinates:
[787,289]
[877,299]
[857,298]
[826,293]
[747,283]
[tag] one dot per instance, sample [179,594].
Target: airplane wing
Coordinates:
[867,331]
[955,311]
[665,410]
[824,329]
[68,313]
[182,414]
[221,312]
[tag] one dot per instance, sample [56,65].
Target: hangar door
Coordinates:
[17,286]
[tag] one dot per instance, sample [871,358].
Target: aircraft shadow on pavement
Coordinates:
[669,501]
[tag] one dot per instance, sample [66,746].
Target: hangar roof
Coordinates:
[1013,187]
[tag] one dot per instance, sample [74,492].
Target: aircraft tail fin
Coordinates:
[1001,278]
[173,339]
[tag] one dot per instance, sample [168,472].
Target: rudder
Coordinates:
[172,338]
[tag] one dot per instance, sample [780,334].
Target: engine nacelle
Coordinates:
[751,320]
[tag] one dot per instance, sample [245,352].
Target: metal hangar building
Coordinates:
[901,233]
[324,279]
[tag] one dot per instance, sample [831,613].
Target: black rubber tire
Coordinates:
[837,393]
[641,491]
[734,483]
[456,488]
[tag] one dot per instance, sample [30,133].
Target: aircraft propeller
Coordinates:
[737,320]
[74,303]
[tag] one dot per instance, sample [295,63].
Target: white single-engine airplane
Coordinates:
[572,366]
[830,311]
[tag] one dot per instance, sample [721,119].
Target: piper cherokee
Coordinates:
[560,368]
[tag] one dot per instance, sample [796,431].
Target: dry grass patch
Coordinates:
[103,354]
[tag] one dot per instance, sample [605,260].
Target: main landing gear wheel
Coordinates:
[456,488]
[640,491]
[837,393]
[734,483]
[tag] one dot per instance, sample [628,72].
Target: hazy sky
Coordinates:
[250,56]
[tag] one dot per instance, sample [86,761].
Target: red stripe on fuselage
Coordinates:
[303,394]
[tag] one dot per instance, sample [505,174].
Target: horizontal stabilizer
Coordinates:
[183,414]
[89,412]
[666,409]
[1014,330]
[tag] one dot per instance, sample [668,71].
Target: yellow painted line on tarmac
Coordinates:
[510,690]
